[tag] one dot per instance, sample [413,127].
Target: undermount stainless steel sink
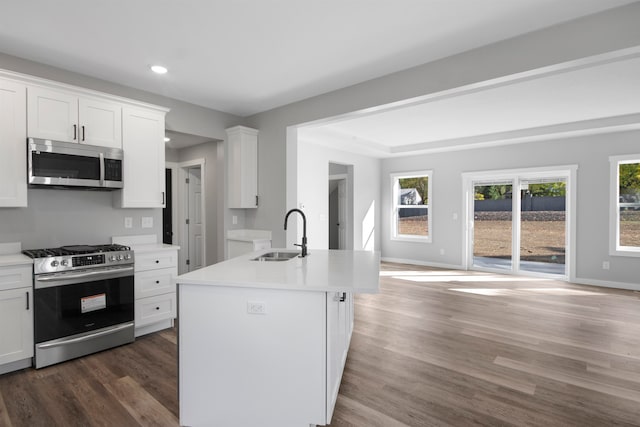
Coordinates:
[276,256]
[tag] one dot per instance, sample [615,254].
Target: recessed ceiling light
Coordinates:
[158,69]
[167,139]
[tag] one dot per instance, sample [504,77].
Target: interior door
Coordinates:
[342,214]
[196,238]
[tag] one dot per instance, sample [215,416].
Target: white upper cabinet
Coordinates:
[143,166]
[100,122]
[66,116]
[13,144]
[243,167]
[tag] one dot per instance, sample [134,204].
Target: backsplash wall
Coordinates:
[67,217]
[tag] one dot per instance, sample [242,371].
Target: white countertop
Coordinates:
[14,259]
[10,255]
[321,270]
[153,247]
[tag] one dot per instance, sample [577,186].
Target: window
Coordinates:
[625,205]
[411,193]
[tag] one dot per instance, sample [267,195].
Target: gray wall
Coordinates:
[67,217]
[590,153]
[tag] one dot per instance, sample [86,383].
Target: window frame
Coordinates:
[615,249]
[394,178]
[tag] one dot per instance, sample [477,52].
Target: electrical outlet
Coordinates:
[234,219]
[147,222]
[128,222]
[441,251]
[605,265]
[256,307]
[455,216]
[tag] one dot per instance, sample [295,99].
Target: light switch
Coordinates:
[128,222]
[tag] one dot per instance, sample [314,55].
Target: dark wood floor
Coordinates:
[434,348]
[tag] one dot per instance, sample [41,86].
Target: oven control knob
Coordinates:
[119,257]
[54,263]
[113,258]
[64,262]
[127,256]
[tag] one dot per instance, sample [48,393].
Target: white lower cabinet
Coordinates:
[16,317]
[155,292]
[280,364]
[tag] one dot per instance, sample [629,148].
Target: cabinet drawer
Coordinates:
[16,277]
[154,260]
[154,309]
[155,282]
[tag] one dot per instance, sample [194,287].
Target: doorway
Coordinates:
[191,216]
[521,221]
[337,213]
[340,206]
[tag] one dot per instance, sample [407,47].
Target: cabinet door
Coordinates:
[52,114]
[143,145]
[13,137]
[155,309]
[100,123]
[336,346]
[16,325]
[243,167]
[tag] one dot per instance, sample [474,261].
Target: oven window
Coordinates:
[72,309]
[54,165]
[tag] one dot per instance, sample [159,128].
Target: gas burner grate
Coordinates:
[74,250]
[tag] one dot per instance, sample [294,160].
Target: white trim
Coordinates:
[614,210]
[394,236]
[607,284]
[516,175]
[423,263]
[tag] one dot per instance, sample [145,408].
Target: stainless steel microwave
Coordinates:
[73,165]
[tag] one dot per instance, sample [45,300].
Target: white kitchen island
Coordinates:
[263,343]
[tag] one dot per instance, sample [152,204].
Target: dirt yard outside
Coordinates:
[630,228]
[542,234]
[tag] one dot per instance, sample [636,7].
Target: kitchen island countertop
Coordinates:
[321,270]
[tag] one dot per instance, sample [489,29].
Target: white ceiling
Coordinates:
[561,102]
[247,56]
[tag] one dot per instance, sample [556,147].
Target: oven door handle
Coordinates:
[87,337]
[67,279]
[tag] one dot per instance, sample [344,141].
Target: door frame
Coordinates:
[348,208]
[183,238]
[344,178]
[515,175]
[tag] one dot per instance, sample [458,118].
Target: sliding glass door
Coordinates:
[518,222]
[493,225]
[543,225]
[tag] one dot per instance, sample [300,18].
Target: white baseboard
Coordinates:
[423,263]
[607,284]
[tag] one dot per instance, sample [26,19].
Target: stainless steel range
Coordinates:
[83,300]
